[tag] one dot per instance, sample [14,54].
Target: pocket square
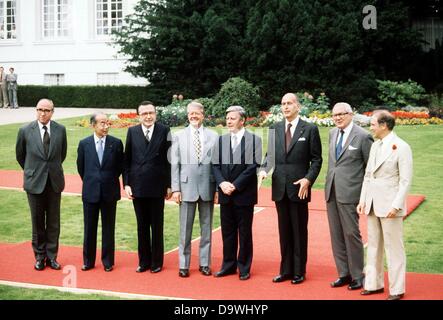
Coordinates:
[302,139]
[352,148]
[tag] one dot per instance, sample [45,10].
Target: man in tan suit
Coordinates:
[383,198]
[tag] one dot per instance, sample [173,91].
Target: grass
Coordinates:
[15,223]
[423,229]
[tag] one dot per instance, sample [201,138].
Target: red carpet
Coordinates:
[17,265]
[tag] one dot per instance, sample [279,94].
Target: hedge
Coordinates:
[114,97]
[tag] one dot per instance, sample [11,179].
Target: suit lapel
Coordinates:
[348,141]
[280,132]
[91,148]
[108,150]
[297,134]
[333,144]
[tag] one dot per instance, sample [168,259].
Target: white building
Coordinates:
[64,42]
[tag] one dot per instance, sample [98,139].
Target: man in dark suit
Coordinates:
[40,150]
[349,147]
[236,158]
[294,152]
[147,181]
[99,163]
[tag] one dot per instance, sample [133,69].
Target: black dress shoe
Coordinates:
[184,273]
[244,276]
[281,278]
[141,269]
[395,296]
[356,284]
[369,292]
[206,271]
[86,268]
[156,270]
[109,269]
[298,279]
[224,273]
[39,265]
[53,264]
[342,281]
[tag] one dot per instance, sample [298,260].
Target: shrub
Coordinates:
[236,91]
[116,97]
[436,106]
[174,114]
[396,95]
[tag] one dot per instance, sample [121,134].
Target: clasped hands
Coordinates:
[227,187]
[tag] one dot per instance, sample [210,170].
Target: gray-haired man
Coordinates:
[193,184]
[349,147]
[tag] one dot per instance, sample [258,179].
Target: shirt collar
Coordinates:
[151,129]
[48,125]
[348,129]
[96,139]
[293,122]
[239,134]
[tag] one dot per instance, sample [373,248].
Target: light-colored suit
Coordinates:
[387,180]
[342,190]
[11,80]
[4,101]
[196,182]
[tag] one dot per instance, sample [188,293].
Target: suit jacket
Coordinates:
[191,178]
[100,182]
[147,169]
[30,154]
[387,181]
[239,168]
[346,173]
[11,80]
[303,160]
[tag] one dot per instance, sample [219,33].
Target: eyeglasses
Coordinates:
[44,110]
[340,115]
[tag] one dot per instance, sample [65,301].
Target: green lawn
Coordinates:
[423,229]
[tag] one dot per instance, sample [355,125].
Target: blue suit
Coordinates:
[100,192]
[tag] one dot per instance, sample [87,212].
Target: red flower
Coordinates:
[394,147]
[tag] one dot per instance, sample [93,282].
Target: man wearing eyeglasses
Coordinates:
[147,181]
[40,150]
[349,147]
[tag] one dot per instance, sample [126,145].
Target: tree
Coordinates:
[193,46]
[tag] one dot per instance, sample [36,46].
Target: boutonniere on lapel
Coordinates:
[394,147]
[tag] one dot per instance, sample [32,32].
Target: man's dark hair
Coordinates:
[145,103]
[93,119]
[384,116]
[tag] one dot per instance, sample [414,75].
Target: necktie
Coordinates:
[100,150]
[234,142]
[147,136]
[197,145]
[288,137]
[46,141]
[339,146]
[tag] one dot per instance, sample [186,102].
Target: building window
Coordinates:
[55,19]
[109,16]
[107,79]
[55,79]
[7,19]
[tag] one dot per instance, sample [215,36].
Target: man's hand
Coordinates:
[392,213]
[227,187]
[128,191]
[168,194]
[177,197]
[361,208]
[304,188]
[262,175]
